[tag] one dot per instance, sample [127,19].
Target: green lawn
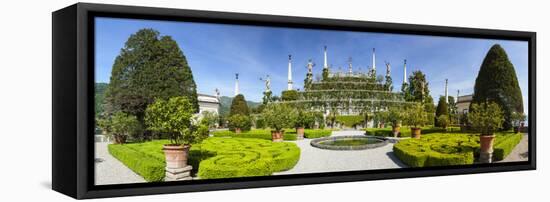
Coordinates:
[290,134]
[215,157]
[441,149]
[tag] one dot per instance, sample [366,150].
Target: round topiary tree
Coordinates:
[497,82]
[149,67]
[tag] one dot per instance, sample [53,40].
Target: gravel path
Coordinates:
[109,170]
[315,160]
[521,152]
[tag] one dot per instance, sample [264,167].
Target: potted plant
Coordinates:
[416,117]
[382,118]
[279,116]
[120,126]
[303,119]
[517,121]
[485,118]
[443,121]
[239,123]
[175,118]
[394,118]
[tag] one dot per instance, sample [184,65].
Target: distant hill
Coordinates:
[225,103]
[99,97]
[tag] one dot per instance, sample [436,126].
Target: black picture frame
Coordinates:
[73,100]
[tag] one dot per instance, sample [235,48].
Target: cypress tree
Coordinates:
[148,67]
[442,109]
[239,106]
[497,82]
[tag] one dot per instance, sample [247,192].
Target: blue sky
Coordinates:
[215,52]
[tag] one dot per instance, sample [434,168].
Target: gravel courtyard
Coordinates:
[109,170]
[315,160]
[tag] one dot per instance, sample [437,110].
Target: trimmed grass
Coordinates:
[290,134]
[215,157]
[442,149]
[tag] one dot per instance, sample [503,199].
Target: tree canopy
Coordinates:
[149,67]
[239,106]
[441,110]
[497,82]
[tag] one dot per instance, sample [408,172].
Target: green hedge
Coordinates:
[241,157]
[215,157]
[406,131]
[316,133]
[505,145]
[290,134]
[351,120]
[149,167]
[440,149]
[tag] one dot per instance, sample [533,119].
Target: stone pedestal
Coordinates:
[178,174]
[485,157]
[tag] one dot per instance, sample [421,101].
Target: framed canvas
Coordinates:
[156,100]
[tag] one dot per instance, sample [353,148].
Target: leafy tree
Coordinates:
[497,82]
[418,87]
[268,97]
[99,98]
[175,118]
[517,118]
[210,118]
[304,119]
[325,74]
[442,110]
[443,121]
[279,116]
[149,67]
[240,121]
[485,117]
[389,83]
[239,106]
[122,126]
[415,116]
[289,95]
[395,116]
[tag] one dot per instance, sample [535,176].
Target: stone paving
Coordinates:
[315,160]
[109,170]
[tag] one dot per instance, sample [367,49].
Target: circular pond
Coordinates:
[349,142]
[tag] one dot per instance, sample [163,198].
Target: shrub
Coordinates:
[450,149]
[395,116]
[304,119]
[311,134]
[443,121]
[150,168]
[289,95]
[290,134]
[239,121]
[123,125]
[350,121]
[387,132]
[415,116]
[279,116]
[175,117]
[485,118]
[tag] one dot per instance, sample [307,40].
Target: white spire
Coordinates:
[373,60]
[326,63]
[446,91]
[236,84]
[405,72]
[289,87]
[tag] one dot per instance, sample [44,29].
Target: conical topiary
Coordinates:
[497,82]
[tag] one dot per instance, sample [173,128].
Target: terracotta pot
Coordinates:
[120,139]
[176,155]
[396,130]
[277,136]
[237,130]
[486,143]
[300,133]
[416,132]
